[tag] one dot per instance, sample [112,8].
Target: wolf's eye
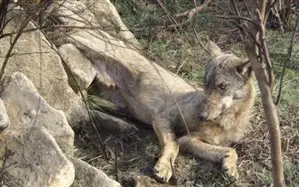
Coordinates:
[222,86]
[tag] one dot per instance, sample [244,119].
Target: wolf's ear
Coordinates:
[213,49]
[245,69]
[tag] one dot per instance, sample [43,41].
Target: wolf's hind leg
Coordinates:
[170,148]
[226,155]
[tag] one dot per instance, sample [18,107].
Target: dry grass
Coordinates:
[179,52]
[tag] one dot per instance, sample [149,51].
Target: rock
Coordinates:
[4,119]
[46,71]
[87,175]
[99,13]
[80,67]
[108,18]
[31,158]
[26,108]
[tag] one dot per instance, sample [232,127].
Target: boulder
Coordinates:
[36,58]
[108,18]
[96,14]
[32,158]
[87,175]
[4,119]
[79,66]
[26,108]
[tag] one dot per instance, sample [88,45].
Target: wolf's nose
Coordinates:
[203,115]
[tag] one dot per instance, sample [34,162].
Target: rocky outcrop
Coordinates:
[32,158]
[108,18]
[26,108]
[79,66]
[36,58]
[87,175]
[33,150]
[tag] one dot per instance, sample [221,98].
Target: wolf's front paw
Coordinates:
[163,171]
[229,165]
[230,170]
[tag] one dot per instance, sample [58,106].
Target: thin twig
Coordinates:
[290,51]
[115,160]
[200,43]
[190,14]
[238,18]
[237,12]
[275,13]
[193,11]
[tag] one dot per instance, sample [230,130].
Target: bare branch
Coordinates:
[238,18]
[290,51]
[262,66]
[275,13]
[200,43]
[194,11]
[257,50]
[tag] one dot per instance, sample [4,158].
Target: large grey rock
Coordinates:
[80,67]
[4,119]
[96,14]
[26,108]
[109,20]
[87,175]
[46,71]
[31,158]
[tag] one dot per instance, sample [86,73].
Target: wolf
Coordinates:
[202,121]
[209,120]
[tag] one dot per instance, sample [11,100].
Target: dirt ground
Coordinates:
[132,156]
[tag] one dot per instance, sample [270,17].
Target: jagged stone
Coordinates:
[78,65]
[35,57]
[32,158]
[109,20]
[26,108]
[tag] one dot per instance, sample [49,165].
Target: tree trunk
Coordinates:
[271,115]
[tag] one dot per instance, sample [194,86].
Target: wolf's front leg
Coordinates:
[226,155]
[170,148]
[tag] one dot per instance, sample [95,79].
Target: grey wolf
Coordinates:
[203,121]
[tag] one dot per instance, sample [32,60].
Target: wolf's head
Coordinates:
[226,82]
